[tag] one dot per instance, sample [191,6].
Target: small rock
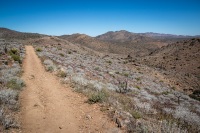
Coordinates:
[88,117]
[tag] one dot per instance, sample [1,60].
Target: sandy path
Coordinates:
[50,107]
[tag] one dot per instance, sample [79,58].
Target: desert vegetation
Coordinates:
[156,90]
[134,95]
[12,54]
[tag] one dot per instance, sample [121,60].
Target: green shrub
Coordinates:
[16,58]
[15,55]
[96,68]
[110,62]
[99,96]
[38,49]
[138,87]
[165,93]
[136,114]
[61,54]
[59,48]
[15,84]
[13,51]
[61,74]
[173,88]
[50,68]
[138,79]
[126,74]
[117,73]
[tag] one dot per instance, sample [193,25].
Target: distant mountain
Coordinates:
[11,34]
[123,36]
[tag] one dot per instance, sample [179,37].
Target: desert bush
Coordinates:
[126,74]
[48,62]
[7,96]
[9,74]
[79,80]
[136,114]
[109,62]
[123,87]
[7,121]
[117,72]
[15,55]
[62,74]
[98,96]
[50,68]
[16,83]
[38,49]
[138,79]
[96,68]
[16,58]
[49,65]
[138,87]
[61,54]
[59,48]
[13,51]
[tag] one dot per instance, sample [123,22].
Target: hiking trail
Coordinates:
[51,107]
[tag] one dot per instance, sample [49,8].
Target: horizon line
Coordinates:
[99,34]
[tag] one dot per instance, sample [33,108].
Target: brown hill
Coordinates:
[124,43]
[141,44]
[122,36]
[181,61]
[95,44]
[11,34]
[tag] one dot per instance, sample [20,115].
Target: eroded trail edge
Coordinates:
[48,106]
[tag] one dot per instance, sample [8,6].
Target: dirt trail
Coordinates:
[50,107]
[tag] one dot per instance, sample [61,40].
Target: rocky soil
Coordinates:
[179,62]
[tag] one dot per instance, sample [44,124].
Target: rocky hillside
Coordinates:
[123,36]
[11,34]
[122,43]
[136,96]
[95,44]
[181,61]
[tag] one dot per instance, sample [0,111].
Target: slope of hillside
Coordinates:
[11,34]
[181,60]
[122,36]
[95,44]
[124,43]
[132,93]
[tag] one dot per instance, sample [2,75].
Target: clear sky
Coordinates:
[94,17]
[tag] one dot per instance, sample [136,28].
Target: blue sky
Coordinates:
[94,17]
